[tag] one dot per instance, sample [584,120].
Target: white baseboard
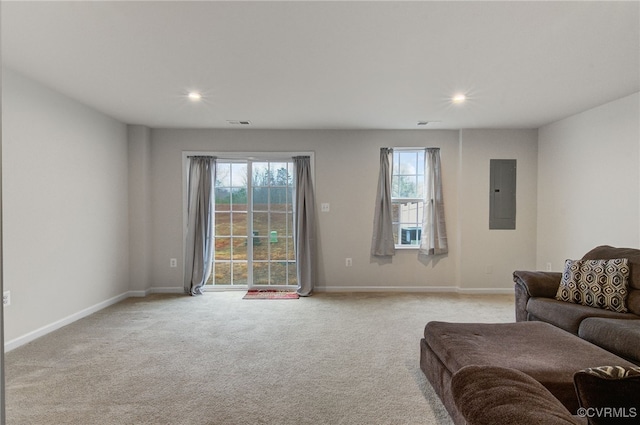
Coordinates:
[441,289]
[384,289]
[434,289]
[180,289]
[166,290]
[487,291]
[138,293]
[24,339]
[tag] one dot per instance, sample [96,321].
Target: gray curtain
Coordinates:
[304,226]
[434,232]
[382,243]
[199,244]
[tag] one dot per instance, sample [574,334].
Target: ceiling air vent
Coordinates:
[425,122]
[238,122]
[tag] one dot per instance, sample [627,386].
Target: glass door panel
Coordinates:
[272,212]
[231,222]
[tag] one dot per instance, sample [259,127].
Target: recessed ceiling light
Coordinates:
[194,95]
[459,98]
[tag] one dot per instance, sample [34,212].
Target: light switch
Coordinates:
[324,207]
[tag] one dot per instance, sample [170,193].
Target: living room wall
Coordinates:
[65,225]
[589,182]
[346,169]
[490,256]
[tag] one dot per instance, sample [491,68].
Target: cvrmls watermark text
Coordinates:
[607,412]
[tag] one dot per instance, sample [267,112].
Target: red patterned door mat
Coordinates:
[269,294]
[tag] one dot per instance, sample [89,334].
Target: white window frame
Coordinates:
[406,200]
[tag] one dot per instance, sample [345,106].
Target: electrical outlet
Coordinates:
[348,262]
[6,298]
[173,262]
[548,267]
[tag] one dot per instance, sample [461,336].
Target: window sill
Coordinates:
[407,247]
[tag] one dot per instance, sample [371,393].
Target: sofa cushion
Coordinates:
[633,302]
[606,252]
[568,316]
[609,394]
[595,283]
[620,336]
[489,395]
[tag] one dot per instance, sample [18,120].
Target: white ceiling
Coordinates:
[343,65]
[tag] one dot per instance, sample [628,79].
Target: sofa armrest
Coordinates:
[538,284]
[533,284]
[496,395]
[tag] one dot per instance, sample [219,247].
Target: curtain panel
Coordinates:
[434,232]
[199,244]
[304,226]
[382,243]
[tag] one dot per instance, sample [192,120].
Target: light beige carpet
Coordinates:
[218,359]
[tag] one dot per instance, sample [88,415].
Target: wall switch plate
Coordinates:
[173,262]
[6,298]
[325,207]
[348,262]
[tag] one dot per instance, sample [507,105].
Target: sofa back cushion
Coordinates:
[606,252]
[633,301]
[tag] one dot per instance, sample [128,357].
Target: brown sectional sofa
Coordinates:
[574,338]
[544,352]
[616,332]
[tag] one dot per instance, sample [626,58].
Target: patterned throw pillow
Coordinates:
[596,283]
[608,395]
[612,372]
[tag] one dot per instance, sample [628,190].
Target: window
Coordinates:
[407,196]
[409,208]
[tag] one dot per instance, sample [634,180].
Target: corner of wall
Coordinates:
[139,141]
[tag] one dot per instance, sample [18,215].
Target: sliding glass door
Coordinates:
[254,224]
